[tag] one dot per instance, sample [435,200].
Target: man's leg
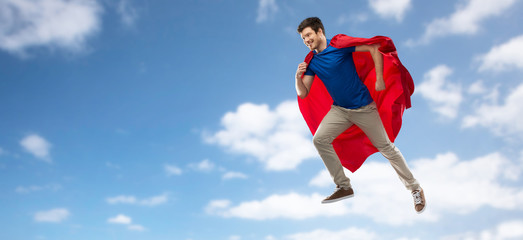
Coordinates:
[368,120]
[332,125]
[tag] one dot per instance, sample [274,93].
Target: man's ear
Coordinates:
[321,32]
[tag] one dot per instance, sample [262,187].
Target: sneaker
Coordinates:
[419,200]
[339,194]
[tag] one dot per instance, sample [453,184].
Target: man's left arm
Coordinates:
[378,63]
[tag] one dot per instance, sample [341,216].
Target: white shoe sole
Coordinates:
[337,199]
[422,210]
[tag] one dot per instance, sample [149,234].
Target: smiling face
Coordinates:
[312,39]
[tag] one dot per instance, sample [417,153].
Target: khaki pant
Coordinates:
[367,118]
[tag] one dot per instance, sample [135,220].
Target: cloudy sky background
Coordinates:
[137,119]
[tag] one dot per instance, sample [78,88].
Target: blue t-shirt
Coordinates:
[335,67]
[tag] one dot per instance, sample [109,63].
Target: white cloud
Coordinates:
[35,188]
[53,23]
[477,87]
[235,237]
[488,94]
[2,151]
[172,170]
[390,8]
[152,201]
[136,227]
[503,57]
[349,233]
[502,119]
[121,199]
[466,20]
[292,206]
[205,166]
[233,175]
[120,219]
[443,95]
[279,138]
[215,206]
[126,220]
[323,179]
[37,146]
[54,215]
[509,230]
[128,13]
[458,186]
[266,10]
[452,186]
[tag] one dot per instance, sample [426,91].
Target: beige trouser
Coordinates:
[367,118]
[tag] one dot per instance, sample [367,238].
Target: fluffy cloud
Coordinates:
[233,175]
[152,201]
[502,119]
[509,230]
[452,186]
[477,88]
[37,146]
[458,186]
[443,95]
[278,138]
[136,227]
[323,179]
[390,8]
[172,170]
[466,20]
[503,57]
[292,206]
[54,23]
[350,233]
[266,10]
[128,14]
[205,166]
[126,220]
[120,219]
[122,199]
[54,215]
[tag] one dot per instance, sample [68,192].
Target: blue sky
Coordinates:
[138,119]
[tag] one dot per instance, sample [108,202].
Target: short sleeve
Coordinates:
[350,49]
[309,72]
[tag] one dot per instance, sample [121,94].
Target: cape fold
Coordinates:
[352,146]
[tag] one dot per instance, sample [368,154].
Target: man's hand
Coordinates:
[302,67]
[303,84]
[380,84]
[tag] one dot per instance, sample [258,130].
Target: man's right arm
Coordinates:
[303,85]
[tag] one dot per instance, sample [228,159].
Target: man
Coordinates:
[331,60]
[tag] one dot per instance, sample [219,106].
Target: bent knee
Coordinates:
[388,149]
[320,140]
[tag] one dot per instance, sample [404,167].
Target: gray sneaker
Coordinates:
[339,194]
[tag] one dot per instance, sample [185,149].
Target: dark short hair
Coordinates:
[313,22]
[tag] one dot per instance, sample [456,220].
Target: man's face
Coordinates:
[310,38]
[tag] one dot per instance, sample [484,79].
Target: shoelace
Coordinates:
[417,197]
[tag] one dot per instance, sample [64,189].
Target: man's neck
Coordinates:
[322,45]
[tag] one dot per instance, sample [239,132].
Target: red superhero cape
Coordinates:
[352,146]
